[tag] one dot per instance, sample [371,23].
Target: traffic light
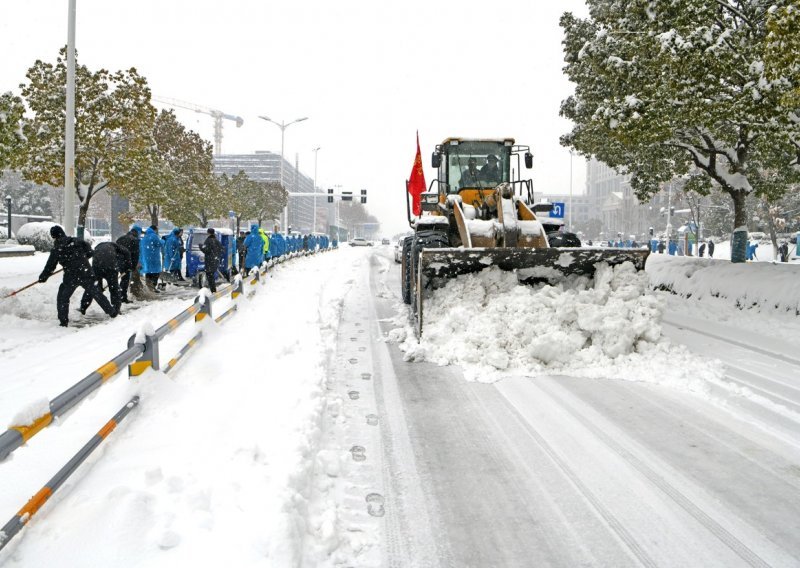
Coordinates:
[363,196]
[330,196]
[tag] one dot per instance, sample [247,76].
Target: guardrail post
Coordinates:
[205,307]
[149,358]
[238,287]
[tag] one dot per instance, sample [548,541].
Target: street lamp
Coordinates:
[569,210]
[8,210]
[314,222]
[69,130]
[283,126]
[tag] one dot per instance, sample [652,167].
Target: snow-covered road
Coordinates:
[570,471]
[301,434]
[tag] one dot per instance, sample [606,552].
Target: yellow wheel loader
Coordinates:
[476,215]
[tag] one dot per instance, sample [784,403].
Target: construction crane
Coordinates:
[217,114]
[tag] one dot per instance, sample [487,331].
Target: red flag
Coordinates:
[416,184]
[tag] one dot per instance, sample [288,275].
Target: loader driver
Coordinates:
[469,177]
[490,172]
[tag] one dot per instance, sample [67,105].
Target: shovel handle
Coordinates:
[15,292]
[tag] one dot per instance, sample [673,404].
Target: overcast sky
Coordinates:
[368,74]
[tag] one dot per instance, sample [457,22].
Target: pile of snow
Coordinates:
[37,234]
[492,327]
[762,286]
[4,233]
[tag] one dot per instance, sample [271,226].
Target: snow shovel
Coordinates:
[15,292]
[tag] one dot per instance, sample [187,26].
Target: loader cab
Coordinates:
[478,165]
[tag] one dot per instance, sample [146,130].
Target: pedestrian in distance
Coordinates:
[173,253]
[710,249]
[108,261]
[783,251]
[661,247]
[212,250]
[130,241]
[254,245]
[151,249]
[73,255]
[701,251]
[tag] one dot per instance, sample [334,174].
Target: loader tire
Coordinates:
[423,240]
[405,270]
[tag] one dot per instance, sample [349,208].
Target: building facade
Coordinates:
[615,204]
[266,166]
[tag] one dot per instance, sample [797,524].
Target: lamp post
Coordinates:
[69,132]
[669,214]
[8,210]
[314,222]
[283,126]
[569,219]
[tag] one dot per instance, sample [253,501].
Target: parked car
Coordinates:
[360,242]
[386,242]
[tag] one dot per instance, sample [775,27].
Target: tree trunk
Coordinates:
[83,211]
[739,240]
[153,215]
[771,226]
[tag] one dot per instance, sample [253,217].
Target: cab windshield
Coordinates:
[477,165]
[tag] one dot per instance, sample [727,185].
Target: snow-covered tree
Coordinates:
[664,86]
[180,183]
[253,200]
[11,111]
[26,196]
[113,126]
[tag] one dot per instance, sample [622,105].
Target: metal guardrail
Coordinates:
[36,502]
[15,436]
[139,356]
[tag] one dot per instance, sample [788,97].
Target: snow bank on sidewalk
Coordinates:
[761,286]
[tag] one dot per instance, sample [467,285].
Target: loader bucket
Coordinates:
[532,265]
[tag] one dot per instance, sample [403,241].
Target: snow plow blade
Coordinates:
[551,265]
[532,265]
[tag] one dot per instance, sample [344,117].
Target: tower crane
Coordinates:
[217,114]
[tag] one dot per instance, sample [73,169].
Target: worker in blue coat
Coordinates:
[254,245]
[173,252]
[281,244]
[151,248]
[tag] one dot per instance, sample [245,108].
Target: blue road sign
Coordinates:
[558,210]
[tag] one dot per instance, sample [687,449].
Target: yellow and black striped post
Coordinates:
[204,304]
[36,502]
[149,358]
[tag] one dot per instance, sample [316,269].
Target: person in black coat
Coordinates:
[108,261]
[130,241]
[241,249]
[212,249]
[711,249]
[73,254]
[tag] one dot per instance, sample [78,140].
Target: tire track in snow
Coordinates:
[728,340]
[604,512]
[725,536]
